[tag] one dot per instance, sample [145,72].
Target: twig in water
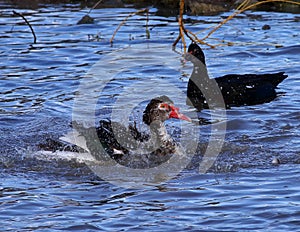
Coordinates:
[181,26]
[245,5]
[95,6]
[183,31]
[147,21]
[32,31]
[123,22]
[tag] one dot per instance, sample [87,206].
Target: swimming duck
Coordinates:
[236,89]
[126,145]
[131,147]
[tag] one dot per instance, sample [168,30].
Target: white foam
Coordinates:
[64,155]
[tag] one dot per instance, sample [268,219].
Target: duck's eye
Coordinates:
[163,106]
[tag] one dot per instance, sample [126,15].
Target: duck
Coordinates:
[232,90]
[127,145]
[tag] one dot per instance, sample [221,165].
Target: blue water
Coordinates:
[241,191]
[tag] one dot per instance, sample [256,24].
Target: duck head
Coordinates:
[161,109]
[195,51]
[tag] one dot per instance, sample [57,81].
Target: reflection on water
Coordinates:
[39,82]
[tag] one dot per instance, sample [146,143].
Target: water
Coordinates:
[39,82]
[252,199]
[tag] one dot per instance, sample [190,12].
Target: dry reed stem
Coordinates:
[124,20]
[196,39]
[97,3]
[183,31]
[241,8]
[181,26]
[192,36]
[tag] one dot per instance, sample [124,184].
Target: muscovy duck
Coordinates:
[236,89]
[128,146]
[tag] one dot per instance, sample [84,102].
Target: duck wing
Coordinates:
[251,79]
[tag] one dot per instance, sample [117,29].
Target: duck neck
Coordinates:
[199,71]
[159,132]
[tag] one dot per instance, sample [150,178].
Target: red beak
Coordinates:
[176,114]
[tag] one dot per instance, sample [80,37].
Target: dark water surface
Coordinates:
[242,191]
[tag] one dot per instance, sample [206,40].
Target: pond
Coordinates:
[40,85]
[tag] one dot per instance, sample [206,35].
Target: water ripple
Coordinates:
[242,191]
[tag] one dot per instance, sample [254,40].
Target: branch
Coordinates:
[243,7]
[183,31]
[97,3]
[181,26]
[32,31]
[123,22]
